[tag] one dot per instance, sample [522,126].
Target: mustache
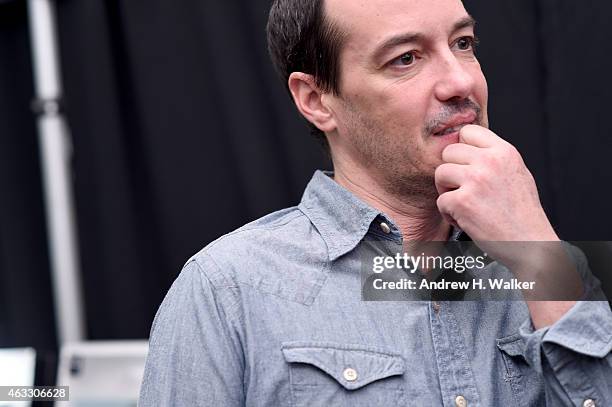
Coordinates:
[451,109]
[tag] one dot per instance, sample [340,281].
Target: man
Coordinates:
[271,314]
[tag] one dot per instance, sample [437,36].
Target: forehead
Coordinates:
[368,21]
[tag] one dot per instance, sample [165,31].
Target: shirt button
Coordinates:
[350,374]
[385,228]
[588,403]
[460,401]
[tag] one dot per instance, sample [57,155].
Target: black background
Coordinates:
[182,132]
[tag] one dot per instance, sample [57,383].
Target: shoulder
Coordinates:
[275,254]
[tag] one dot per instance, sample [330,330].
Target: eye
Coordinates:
[406,59]
[466,43]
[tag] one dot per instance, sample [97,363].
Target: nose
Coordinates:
[454,80]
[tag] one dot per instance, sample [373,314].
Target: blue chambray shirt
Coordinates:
[271,315]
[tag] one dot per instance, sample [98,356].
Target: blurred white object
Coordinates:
[55,153]
[17,368]
[102,373]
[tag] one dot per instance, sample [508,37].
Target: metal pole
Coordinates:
[55,152]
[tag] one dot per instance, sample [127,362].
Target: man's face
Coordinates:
[408,70]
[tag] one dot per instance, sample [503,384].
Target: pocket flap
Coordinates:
[352,366]
[512,345]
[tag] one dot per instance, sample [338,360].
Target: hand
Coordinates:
[487,191]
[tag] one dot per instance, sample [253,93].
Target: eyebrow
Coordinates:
[410,37]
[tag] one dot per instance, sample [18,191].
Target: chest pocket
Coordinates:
[326,374]
[525,382]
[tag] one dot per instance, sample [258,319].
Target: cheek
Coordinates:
[401,108]
[482,98]
[481,89]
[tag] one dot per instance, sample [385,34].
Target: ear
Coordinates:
[309,100]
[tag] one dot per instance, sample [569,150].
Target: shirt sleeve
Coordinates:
[195,357]
[574,354]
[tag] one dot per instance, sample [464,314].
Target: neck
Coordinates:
[417,216]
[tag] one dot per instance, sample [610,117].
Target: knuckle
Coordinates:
[490,158]
[509,150]
[463,203]
[466,196]
[479,175]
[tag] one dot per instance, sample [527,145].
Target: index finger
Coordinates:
[478,136]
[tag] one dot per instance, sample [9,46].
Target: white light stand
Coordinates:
[55,154]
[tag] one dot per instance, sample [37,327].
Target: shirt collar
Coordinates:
[341,218]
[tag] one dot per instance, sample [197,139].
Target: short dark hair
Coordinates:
[302,39]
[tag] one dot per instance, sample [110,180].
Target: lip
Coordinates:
[458,120]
